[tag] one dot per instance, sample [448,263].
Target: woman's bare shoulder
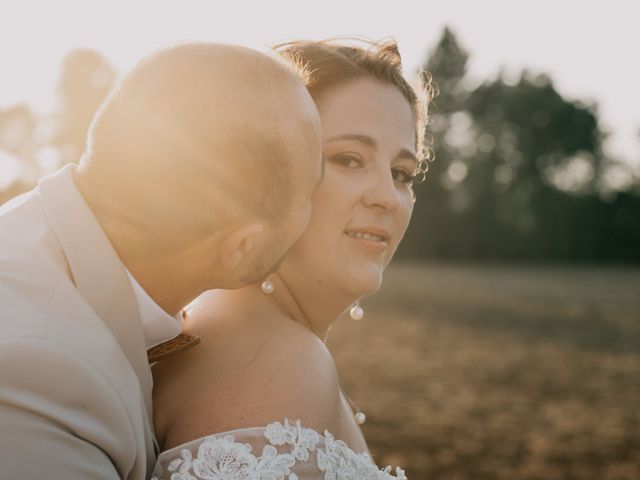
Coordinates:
[247,372]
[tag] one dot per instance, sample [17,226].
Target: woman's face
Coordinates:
[362,207]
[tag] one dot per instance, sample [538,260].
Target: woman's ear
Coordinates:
[237,245]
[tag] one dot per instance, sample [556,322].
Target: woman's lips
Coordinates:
[372,239]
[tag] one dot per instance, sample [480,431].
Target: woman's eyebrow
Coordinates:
[364,139]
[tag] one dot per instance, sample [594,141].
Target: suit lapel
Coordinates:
[98,273]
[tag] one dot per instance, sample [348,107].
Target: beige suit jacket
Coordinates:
[75,384]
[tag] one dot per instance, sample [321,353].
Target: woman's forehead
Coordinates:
[368,109]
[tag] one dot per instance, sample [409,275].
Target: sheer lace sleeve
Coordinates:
[279,451]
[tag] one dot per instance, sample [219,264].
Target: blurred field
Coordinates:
[499,372]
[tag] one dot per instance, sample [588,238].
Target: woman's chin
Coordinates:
[362,282]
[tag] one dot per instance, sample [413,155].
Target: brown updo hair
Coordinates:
[328,64]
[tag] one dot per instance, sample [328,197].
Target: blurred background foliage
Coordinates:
[31,146]
[520,171]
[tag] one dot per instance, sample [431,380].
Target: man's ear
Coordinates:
[238,244]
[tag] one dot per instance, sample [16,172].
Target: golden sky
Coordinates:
[588,47]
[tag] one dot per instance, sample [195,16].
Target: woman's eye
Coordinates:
[402,176]
[348,160]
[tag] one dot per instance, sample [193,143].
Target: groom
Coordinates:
[198,174]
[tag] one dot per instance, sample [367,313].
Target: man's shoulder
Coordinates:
[19,206]
[30,268]
[39,299]
[16,201]
[53,314]
[31,259]
[23,229]
[47,387]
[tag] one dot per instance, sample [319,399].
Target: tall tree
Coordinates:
[447,63]
[17,132]
[446,66]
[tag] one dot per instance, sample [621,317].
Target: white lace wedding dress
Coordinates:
[279,451]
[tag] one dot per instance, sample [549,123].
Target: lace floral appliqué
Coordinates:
[223,458]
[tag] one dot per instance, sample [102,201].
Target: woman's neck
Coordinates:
[314,308]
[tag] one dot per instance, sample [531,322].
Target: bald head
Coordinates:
[199,134]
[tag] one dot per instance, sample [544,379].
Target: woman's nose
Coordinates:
[382,192]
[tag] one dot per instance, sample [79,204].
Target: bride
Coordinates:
[260,397]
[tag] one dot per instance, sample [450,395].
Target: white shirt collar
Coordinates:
[157,325]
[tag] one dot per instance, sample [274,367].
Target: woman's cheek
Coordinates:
[407,211]
[403,218]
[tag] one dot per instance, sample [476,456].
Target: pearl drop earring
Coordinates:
[267,287]
[356,311]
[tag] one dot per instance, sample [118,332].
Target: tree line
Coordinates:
[520,171]
[519,174]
